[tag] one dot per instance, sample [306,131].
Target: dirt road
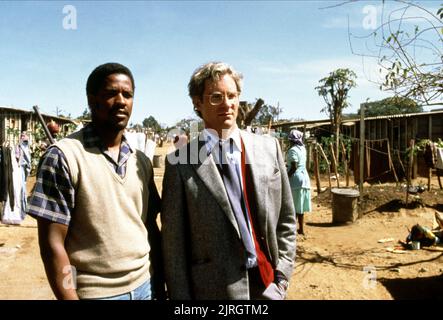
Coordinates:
[341,262]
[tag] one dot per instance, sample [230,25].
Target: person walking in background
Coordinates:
[96,203]
[299,177]
[228,221]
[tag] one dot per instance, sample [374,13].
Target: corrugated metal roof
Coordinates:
[406,115]
[314,123]
[13,109]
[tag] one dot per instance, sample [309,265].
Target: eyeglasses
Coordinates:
[217,98]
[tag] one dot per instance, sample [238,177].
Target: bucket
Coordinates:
[415,245]
[344,205]
[157,161]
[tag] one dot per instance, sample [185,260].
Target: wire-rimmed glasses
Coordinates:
[217,98]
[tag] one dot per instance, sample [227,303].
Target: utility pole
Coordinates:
[58,111]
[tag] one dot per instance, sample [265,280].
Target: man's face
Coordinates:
[111,107]
[223,115]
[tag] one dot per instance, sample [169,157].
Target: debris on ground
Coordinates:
[385,240]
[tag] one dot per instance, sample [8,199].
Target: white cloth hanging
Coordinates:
[14,216]
[150,149]
[137,140]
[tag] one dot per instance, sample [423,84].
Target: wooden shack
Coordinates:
[393,130]
[13,121]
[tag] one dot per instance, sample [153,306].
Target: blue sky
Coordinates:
[282,48]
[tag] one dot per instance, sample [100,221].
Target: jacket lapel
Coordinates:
[206,169]
[259,182]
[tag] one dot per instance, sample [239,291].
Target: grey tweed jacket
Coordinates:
[203,254]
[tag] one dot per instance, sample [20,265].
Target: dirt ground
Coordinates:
[340,262]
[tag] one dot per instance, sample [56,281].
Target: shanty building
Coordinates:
[13,121]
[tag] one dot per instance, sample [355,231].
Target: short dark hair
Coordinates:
[98,76]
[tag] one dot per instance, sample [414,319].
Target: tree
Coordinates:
[257,113]
[408,48]
[190,125]
[268,114]
[264,116]
[86,115]
[393,105]
[247,112]
[152,124]
[334,89]
[137,127]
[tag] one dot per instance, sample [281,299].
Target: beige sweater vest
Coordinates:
[107,240]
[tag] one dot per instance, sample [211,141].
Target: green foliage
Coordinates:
[68,128]
[38,147]
[335,89]
[86,115]
[152,124]
[389,106]
[14,132]
[326,145]
[185,124]
[266,114]
[420,146]
[410,56]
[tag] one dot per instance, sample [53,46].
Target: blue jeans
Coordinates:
[141,293]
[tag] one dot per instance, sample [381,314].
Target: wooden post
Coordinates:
[327,162]
[362,149]
[406,133]
[391,164]
[438,178]
[429,178]
[345,160]
[316,168]
[411,159]
[42,122]
[368,159]
[334,161]
[401,163]
[430,128]
[414,134]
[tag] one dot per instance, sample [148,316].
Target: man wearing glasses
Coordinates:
[228,221]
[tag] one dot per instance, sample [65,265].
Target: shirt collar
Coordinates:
[92,140]
[212,139]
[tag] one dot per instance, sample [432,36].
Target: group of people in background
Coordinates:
[228,207]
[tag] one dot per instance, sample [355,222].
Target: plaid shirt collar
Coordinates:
[92,140]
